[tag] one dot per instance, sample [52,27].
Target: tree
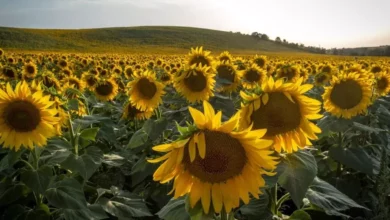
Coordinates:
[264,37]
[285,41]
[278,40]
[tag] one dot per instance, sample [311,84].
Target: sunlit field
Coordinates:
[202,135]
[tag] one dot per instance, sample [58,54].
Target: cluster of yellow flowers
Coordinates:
[276,113]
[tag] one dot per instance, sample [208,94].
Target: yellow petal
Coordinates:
[206,197]
[216,197]
[192,150]
[265,98]
[196,192]
[159,159]
[201,145]
[197,116]
[164,147]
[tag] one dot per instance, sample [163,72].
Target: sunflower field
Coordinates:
[196,136]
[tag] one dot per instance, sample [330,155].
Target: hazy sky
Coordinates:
[326,23]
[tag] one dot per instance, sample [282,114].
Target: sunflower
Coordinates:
[260,61]
[29,70]
[215,164]
[63,63]
[252,77]
[326,69]
[106,90]
[199,56]
[196,83]
[321,79]
[382,85]
[104,73]
[74,82]
[376,69]
[348,95]
[289,73]
[131,112]
[9,73]
[27,119]
[1,52]
[166,78]
[228,73]
[90,80]
[50,81]
[284,111]
[225,57]
[145,91]
[129,72]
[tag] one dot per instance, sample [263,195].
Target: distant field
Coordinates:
[136,40]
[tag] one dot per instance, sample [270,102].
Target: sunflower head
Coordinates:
[195,83]
[376,69]
[216,165]
[63,63]
[252,77]
[260,61]
[348,95]
[131,112]
[145,91]
[382,84]
[9,73]
[290,73]
[284,110]
[26,119]
[321,79]
[198,56]
[105,90]
[225,57]
[29,70]
[227,73]
[90,80]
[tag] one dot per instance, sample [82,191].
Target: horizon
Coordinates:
[346,28]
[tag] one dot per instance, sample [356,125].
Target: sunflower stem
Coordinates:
[73,138]
[282,200]
[28,164]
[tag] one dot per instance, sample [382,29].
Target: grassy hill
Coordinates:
[134,39]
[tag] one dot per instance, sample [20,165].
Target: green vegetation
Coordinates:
[135,39]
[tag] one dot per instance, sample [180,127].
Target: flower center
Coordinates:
[146,88]
[22,116]
[279,115]
[199,60]
[225,72]
[347,94]
[252,76]
[225,158]
[382,84]
[104,89]
[196,81]
[30,69]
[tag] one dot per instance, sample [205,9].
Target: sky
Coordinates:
[325,23]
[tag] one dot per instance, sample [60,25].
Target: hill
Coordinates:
[135,39]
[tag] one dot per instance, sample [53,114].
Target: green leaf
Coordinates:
[13,193]
[73,104]
[353,157]
[256,208]
[10,159]
[300,215]
[141,170]
[155,128]
[301,168]
[38,180]
[94,212]
[138,139]
[333,124]
[122,207]
[33,215]
[56,157]
[331,200]
[174,209]
[85,165]
[89,133]
[67,194]
[369,129]
[59,143]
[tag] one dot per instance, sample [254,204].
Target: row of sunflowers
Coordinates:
[109,136]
